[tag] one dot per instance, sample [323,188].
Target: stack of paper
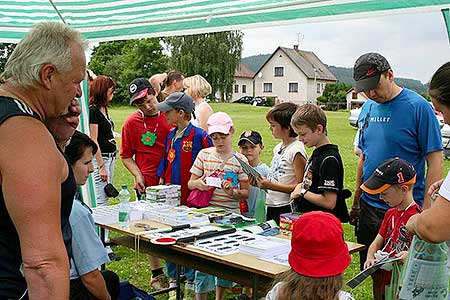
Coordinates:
[179,215]
[265,247]
[169,194]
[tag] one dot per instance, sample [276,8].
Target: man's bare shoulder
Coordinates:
[26,139]
[25,129]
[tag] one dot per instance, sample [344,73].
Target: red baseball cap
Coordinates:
[318,248]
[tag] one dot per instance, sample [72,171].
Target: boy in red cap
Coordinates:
[318,257]
[394,180]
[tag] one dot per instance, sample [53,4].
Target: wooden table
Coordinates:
[241,268]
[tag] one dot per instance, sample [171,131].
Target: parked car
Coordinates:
[259,101]
[255,101]
[353,119]
[445,132]
[244,99]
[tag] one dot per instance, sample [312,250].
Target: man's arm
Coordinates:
[157,80]
[356,206]
[139,180]
[96,285]
[432,224]
[32,170]
[434,173]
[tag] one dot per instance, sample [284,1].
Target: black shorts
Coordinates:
[273,213]
[368,226]
[79,292]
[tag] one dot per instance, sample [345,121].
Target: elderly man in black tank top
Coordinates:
[41,79]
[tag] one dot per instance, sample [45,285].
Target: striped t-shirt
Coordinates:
[208,163]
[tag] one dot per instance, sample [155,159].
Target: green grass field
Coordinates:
[247,117]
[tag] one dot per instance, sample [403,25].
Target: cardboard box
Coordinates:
[287,222]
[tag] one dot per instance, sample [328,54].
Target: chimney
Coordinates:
[296,47]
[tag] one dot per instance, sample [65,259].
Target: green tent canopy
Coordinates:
[106,20]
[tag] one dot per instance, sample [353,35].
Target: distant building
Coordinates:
[355,100]
[290,75]
[243,82]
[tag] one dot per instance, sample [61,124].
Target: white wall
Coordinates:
[360,99]
[312,89]
[240,81]
[280,85]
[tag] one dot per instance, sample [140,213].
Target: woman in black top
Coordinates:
[101,92]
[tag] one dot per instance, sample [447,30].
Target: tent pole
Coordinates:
[446,14]
[88,190]
[57,11]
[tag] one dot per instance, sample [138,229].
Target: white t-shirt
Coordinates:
[282,171]
[273,293]
[194,121]
[444,192]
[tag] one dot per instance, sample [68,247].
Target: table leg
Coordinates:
[178,273]
[102,238]
[255,287]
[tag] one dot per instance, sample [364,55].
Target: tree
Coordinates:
[5,51]
[215,56]
[334,95]
[124,61]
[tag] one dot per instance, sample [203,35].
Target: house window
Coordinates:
[244,89]
[267,87]
[236,88]
[293,87]
[279,72]
[354,95]
[318,88]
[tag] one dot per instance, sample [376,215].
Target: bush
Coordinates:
[270,100]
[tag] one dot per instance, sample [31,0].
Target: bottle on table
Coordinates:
[124,207]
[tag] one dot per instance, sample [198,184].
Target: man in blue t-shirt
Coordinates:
[394,122]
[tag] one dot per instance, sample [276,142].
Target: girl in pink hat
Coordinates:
[318,257]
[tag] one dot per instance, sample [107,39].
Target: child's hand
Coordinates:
[252,180]
[201,185]
[227,187]
[403,256]
[369,262]
[262,182]
[296,192]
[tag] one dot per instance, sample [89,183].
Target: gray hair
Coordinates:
[46,43]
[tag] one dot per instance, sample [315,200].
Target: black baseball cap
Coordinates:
[250,136]
[139,88]
[390,172]
[367,71]
[177,100]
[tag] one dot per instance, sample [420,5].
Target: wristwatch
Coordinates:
[303,192]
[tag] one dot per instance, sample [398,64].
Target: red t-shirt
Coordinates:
[146,157]
[393,228]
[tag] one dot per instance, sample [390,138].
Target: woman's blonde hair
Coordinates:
[197,86]
[299,287]
[46,43]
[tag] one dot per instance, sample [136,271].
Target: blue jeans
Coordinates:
[205,283]
[171,270]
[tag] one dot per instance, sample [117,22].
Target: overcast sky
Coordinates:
[415,44]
